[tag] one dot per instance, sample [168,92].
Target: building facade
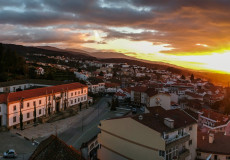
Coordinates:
[158,135]
[45,101]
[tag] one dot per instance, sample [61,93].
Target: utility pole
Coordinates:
[82,118]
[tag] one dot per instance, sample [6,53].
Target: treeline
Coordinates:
[12,66]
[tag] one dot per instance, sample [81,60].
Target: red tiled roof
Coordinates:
[139,89]
[120,94]
[151,92]
[53,148]
[15,96]
[3,98]
[193,95]
[127,89]
[180,118]
[220,145]
[220,118]
[111,85]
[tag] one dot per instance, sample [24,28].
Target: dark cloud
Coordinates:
[180,23]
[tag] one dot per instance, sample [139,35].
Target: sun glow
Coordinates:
[218,61]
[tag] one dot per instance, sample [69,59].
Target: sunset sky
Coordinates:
[190,33]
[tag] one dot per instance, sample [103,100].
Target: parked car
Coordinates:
[10,154]
[134,110]
[142,109]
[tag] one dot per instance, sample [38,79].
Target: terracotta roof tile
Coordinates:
[220,145]
[155,119]
[53,148]
[15,96]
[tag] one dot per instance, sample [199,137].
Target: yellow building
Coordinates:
[158,135]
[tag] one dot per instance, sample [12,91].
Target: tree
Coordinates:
[21,119]
[80,105]
[114,104]
[182,77]
[109,104]
[101,74]
[192,77]
[79,70]
[35,115]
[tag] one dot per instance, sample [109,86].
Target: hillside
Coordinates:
[23,50]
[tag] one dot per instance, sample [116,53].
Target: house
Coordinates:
[210,120]
[120,96]
[89,148]
[18,85]
[81,76]
[149,97]
[111,87]
[40,71]
[46,101]
[193,96]
[213,145]
[165,134]
[55,149]
[96,85]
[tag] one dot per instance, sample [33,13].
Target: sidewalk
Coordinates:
[46,129]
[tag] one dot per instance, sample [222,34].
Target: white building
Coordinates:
[13,86]
[47,101]
[81,76]
[40,71]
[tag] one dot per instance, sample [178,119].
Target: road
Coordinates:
[83,131]
[76,134]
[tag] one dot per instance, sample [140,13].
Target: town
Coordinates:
[114,111]
[114,80]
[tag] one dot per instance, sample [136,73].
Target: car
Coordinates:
[142,109]
[134,110]
[10,154]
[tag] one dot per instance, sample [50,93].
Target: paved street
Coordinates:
[23,148]
[73,130]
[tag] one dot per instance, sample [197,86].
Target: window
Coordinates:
[28,115]
[85,98]
[75,93]
[14,107]
[14,119]
[71,101]
[166,136]
[91,146]
[34,103]
[190,128]
[75,100]
[40,101]
[78,99]
[49,98]
[84,91]
[79,92]
[28,104]
[81,98]
[40,111]
[161,153]
[172,152]
[71,94]
[190,142]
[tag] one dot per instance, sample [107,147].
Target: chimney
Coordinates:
[211,138]
[169,122]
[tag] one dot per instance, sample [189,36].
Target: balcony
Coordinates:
[179,139]
[183,154]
